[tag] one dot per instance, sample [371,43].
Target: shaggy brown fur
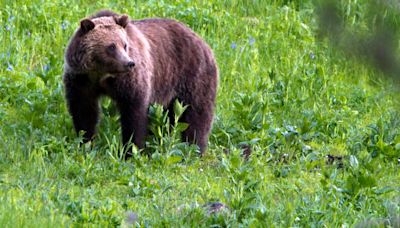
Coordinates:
[137,63]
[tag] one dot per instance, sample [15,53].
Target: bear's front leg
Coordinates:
[133,122]
[82,104]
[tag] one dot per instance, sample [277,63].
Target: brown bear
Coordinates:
[137,63]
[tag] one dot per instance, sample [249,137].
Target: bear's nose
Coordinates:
[130,64]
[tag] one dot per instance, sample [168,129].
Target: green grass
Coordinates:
[285,93]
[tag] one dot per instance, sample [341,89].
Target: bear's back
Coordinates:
[178,55]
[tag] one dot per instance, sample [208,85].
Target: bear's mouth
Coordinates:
[120,72]
[123,69]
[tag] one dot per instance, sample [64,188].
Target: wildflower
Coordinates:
[131,218]
[46,67]
[11,18]
[63,25]
[8,28]
[251,41]
[312,56]
[233,45]
[10,67]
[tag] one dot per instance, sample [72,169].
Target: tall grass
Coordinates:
[323,129]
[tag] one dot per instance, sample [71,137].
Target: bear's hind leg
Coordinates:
[200,122]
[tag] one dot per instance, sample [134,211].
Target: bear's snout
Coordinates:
[130,64]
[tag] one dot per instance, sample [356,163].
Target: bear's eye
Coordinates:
[125,46]
[112,47]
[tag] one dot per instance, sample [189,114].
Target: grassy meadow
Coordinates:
[323,127]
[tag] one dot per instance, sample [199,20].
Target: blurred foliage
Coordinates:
[368,31]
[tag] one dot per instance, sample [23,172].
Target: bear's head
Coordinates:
[101,45]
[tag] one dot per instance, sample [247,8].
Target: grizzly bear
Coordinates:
[137,63]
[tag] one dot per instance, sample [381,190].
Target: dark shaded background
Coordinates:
[369,35]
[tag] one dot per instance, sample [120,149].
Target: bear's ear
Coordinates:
[122,20]
[86,25]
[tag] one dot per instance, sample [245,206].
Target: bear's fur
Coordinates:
[137,63]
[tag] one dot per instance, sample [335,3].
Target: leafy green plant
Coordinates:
[166,136]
